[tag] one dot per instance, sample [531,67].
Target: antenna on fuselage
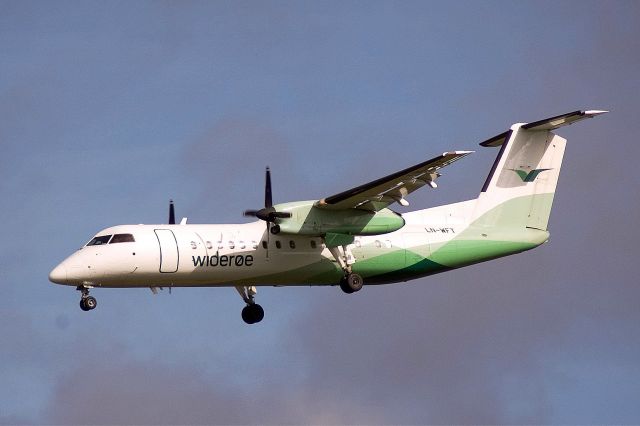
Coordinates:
[172,213]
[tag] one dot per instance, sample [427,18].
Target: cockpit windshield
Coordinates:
[122,238]
[106,239]
[99,240]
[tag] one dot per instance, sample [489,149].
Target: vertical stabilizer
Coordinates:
[519,190]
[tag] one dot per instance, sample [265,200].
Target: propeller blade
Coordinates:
[268,202]
[172,213]
[268,213]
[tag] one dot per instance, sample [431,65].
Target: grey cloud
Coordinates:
[123,391]
[446,349]
[129,391]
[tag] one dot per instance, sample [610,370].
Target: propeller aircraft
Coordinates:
[347,239]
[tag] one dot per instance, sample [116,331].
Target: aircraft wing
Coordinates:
[380,193]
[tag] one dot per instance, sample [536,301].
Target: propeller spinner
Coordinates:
[268,213]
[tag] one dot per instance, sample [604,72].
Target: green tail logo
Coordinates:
[530,176]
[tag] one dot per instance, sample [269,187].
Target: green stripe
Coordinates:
[477,243]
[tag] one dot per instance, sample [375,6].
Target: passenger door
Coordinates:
[169,255]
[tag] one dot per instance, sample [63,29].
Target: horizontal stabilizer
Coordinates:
[496,140]
[546,124]
[561,120]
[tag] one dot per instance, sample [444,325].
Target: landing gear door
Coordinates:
[168,250]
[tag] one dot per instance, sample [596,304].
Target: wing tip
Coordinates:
[594,112]
[444,154]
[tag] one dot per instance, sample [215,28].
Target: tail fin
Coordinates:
[520,187]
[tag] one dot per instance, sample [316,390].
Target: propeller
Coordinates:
[172,213]
[268,213]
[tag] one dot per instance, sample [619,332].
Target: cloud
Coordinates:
[118,389]
[450,349]
[123,391]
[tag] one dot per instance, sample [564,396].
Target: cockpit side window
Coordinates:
[99,240]
[122,238]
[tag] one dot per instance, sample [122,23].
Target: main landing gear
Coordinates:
[252,313]
[350,282]
[87,303]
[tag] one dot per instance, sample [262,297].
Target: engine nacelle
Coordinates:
[307,219]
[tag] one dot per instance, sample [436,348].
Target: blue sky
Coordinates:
[108,109]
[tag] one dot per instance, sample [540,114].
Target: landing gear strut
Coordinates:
[350,282]
[252,313]
[87,302]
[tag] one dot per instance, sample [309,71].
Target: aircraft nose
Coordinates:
[58,275]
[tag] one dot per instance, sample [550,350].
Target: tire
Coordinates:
[83,306]
[252,314]
[354,282]
[90,302]
[344,286]
[258,313]
[246,315]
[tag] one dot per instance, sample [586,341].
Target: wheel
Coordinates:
[252,314]
[353,282]
[344,286]
[90,302]
[258,313]
[83,305]
[275,229]
[246,315]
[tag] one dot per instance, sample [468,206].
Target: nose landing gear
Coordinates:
[252,313]
[87,303]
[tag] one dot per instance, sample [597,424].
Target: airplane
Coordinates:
[347,239]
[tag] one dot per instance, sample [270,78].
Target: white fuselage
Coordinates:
[243,254]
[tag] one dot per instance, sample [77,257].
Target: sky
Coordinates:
[110,109]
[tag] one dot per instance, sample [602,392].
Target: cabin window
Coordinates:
[122,238]
[378,243]
[220,245]
[313,244]
[209,245]
[232,245]
[98,241]
[387,243]
[278,244]
[358,243]
[264,245]
[241,244]
[292,244]
[254,245]
[194,245]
